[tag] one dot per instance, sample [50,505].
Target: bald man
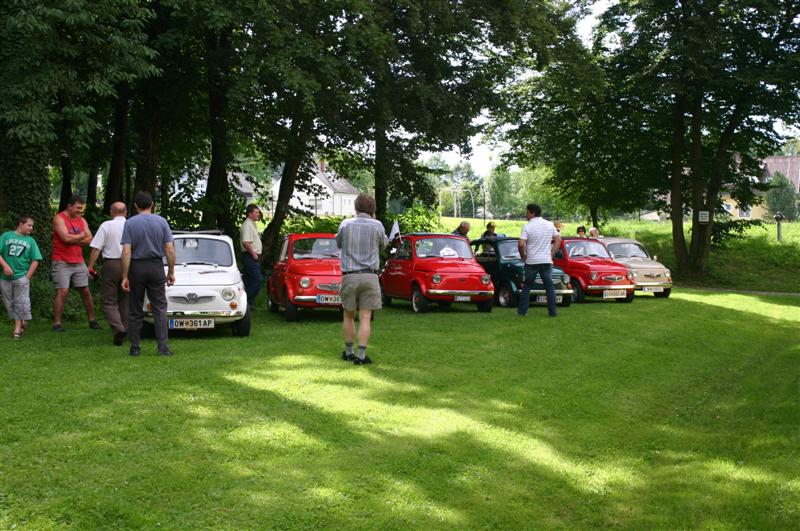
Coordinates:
[113,299]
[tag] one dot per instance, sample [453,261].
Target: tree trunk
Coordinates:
[383,154]
[116,171]
[296,154]
[700,202]
[593,215]
[147,161]
[93,169]
[216,207]
[676,189]
[66,180]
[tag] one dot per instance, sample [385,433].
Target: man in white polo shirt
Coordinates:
[107,242]
[538,244]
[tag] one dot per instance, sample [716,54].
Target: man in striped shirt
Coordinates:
[361,239]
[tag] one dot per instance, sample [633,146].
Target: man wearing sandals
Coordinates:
[19,258]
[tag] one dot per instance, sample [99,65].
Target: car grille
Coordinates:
[188,299]
[653,275]
[333,286]
[613,278]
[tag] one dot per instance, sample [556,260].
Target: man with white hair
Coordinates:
[107,243]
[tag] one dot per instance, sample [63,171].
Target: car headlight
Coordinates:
[485,279]
[668,273]
[305,282]
[436,278]
[228,293]
[594,275]
[635,273]
[565,278]
[631,275]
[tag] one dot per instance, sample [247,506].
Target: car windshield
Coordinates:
[203,251]
[509,250]
[627,250]
[442,248]
[584,248]
[310,248]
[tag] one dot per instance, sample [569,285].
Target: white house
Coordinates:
[337,197]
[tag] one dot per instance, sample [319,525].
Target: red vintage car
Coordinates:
[437,268]
[593,272]
[307,274]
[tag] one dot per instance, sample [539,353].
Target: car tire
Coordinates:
[566,300]
[419,303]
[664,294]
[274,307]
[628,298]
[387,301]
[291,311]
[506,297]
[578,295]
[241,328]
[485,306]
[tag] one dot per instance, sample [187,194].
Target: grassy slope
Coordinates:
[603,417]
[757,262]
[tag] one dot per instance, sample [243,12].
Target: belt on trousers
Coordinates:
[360,271]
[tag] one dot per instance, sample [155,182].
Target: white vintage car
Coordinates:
[208,290]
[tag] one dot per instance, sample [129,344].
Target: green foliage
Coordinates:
[302,224]
[782,198]
[726,230]
[418,219]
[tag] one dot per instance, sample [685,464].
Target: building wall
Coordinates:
[756,212]
[330,205]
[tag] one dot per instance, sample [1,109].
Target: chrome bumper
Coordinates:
[653,285]
[487,293]
[604,288]
[234,313]
[543,292]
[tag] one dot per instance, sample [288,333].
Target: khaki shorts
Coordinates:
[361,291]
[64,274]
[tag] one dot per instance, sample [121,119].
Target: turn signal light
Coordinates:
[233,305]
[149,307]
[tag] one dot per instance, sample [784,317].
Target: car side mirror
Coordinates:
[655,258]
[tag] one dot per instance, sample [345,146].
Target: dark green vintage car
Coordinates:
[500,258]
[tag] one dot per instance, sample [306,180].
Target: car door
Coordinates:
[393,271]
[486,254]
[278,282]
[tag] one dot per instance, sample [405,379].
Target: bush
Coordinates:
[303,224]
[418,219]
[42,293]
[728,230]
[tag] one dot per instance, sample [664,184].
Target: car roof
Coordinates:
[615,239]
[308,235]
[494,239]
[209,234]
[578,238]
[430,234]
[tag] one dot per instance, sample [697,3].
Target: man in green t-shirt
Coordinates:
[19,258]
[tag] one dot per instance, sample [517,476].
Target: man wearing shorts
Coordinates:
[361,239]
[70,234]
[19,258]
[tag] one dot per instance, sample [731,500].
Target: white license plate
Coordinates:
[653,289]
[190,324]
[543,298]
[614,294]
[329,299]
[462,298]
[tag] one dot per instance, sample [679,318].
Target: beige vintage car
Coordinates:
[649,276]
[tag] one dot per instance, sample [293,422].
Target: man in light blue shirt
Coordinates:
[361,239]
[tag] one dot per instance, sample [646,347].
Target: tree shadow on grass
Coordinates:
[698,427]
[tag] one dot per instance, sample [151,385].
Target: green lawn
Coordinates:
[675,413]
[758,262]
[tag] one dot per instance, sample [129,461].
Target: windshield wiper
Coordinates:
[198,262]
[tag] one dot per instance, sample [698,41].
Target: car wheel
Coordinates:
[387,301]
[664,294]
[241,328]
[566,300]
[578,295]
[274,307]
[419,303]
[291,311]
[505,296]
[446,305]
[628,297]
[485,306]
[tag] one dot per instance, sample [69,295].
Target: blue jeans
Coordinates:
[546,272]
[251,277]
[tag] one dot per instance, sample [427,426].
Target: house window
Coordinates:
[728,207]
[744,213]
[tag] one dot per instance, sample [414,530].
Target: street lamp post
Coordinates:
[778,217]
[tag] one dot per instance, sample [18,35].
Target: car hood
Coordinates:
[640,263]
[597,264]
[316,267]
[205,276]
[448,265]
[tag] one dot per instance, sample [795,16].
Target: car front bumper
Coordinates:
[446,294]
[641,285]
[219,316]
[600,288]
